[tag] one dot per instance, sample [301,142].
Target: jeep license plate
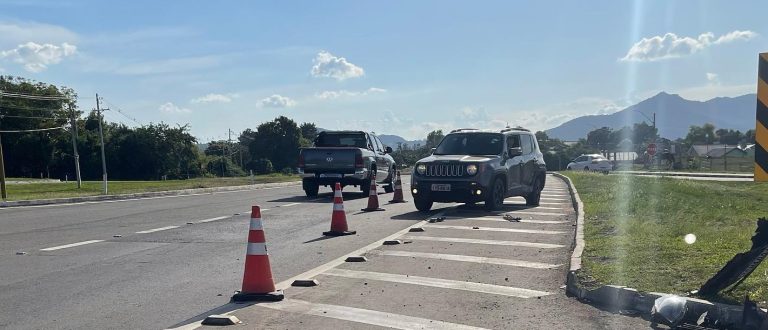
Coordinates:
[441,187]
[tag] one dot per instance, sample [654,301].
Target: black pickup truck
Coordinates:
[347,157]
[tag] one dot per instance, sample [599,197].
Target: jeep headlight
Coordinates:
[421,169]
[472,169]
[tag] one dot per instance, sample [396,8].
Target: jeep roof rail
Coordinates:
[518,128]
[463,129]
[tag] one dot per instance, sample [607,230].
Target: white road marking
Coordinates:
[508,230]
[534,208]
[439,283]
[554,195]
[289,204]
[156,230]
[214,219]
[536,213]
[500,219]
[145,198]
[542,203]
[555,199]
[71,245]
[365,316]
[465,258]
[483,241]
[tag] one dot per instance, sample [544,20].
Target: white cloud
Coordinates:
[211,98]
[713,78]
[328,65]
[277,101]
[329,95]
[36,57]
[169,107]
[13,34]
[672,46]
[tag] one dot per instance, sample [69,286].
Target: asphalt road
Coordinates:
[162,262]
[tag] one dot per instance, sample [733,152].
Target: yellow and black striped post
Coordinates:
[761,130]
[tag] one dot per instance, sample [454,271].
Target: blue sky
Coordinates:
[400,67]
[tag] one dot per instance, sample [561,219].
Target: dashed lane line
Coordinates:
[482,241]
[289,204]
[507,230]
[156,230]
[214,219]
[365,316]
[465,258]
[439,283]
[71,245]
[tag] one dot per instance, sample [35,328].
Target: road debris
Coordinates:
[511,218]
[742,264]
[668,310]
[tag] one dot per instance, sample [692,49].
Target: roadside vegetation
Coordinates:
[92,188]
[635,228]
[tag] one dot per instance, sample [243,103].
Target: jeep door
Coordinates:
[514,166]
[381,159]
[530,165]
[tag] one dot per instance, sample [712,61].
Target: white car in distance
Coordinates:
[592,162]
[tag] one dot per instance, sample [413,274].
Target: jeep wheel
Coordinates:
[365,187]
[533,198]
[495,198]
[423,205]
[586,168]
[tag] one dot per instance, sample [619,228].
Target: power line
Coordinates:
[2,106]
[27,117]
[34,130]
[33,97]
[120,111]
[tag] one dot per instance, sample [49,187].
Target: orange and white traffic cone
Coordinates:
[339,217]
[258,284]
[373,197]
[398,197]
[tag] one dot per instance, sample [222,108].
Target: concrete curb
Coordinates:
[183,192]
[618,299]
[691,174]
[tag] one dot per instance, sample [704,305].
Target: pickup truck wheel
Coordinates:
[422,205]
[533,198]
[390,183]
[495,198]
[311,189]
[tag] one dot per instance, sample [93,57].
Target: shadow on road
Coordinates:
[321,238]
[321,198]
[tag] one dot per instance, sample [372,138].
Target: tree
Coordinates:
[278,141]
[599,138]
[434,138]
[701,134]
[308,131]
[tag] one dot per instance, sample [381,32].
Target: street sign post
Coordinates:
[651,149]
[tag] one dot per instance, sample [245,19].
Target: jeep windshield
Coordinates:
[346,139]
[471,144]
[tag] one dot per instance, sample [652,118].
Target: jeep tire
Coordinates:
[423,205]
[389,185]
[495,198]
[311,188]
[533,198]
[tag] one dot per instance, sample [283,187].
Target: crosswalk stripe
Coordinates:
[500,219]
[509,230]
[483,241]
[465,258]
[534,208]
[439,283]
[366,316]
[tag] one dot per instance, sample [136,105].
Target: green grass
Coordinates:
[92,188]
[634,229]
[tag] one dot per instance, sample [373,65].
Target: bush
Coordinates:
[287,171]
[261,166]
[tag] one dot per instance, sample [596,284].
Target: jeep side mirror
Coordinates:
[388,150]
[432,151]
[517,151]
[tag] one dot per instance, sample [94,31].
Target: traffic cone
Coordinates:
[398,197]
[373,198]
[258,284]
[339,217]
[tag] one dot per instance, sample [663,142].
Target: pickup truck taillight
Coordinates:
[301,161]
[359,159]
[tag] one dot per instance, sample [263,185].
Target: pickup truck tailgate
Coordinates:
[330,160]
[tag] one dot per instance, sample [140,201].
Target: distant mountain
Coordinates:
[393,140]
[674,115]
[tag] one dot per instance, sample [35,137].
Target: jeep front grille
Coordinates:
[445,170]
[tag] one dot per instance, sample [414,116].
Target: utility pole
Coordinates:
[73,122]
[3,192]
[101,138]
